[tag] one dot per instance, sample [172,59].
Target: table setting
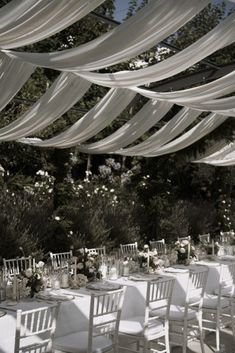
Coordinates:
[73,285]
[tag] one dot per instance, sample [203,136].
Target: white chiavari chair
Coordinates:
[150,327]
[128,249]
[35,329]
[60,260]
[218,309]
[17,265]
[225,238]
[185,321]
[204,238]
[159,245]
[102,333]
[101,251]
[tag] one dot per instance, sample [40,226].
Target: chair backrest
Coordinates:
[184,238]
[15,266]
[225,237]
[35,329]
[159,245]
[205,238]
[227,279]
[99,251]
[158,297]
[105,313]
[196,286]
[60,260]
[127,249]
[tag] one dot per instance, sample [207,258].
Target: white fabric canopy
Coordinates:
[170,130]
[13,75]
[223,155]
[221,105]
[226,161]
[219,37]
[67,89]
[25,22]
[150,25]
[102,114]
[220,87]
[148,116]
[203,128]
[29,21]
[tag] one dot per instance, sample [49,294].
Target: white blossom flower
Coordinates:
[28,272]
[80,265]
[182,250]
[57,218]
[185,242]
[40,264]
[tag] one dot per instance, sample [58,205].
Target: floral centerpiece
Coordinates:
[33,278]
[185,252]
[149,260]
[87,266]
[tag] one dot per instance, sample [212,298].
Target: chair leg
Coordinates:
[167,342]
[185,336]
[217,332]
[201,333]
[145,345]
[232,318]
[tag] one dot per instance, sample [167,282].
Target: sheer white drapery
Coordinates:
[224,155]
[203,128]
[13,74]
[59,98]
[170,130]
[21,24]
[219,37]
[29,21]
[150,25]
[217,88]
[148,116]
[224,106]
[95,120]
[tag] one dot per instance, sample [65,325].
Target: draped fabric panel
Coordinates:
[203,128]
[150,25]
[30,21]
[219,37]
[223,158]
[102,114]
[24,22]
[184,118]
[221,104]
[13,74]
[148,116]
[223,151]
[214,89]
[67,89]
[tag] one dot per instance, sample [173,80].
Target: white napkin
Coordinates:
[54,296]
[103,286]
[176,270]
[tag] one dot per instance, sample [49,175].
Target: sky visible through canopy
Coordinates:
[122,8]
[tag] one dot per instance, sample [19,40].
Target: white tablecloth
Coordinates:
[74,314]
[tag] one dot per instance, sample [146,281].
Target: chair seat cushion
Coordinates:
[176,313]
[210,301]
[77,343]
[33,341]
[135,326]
